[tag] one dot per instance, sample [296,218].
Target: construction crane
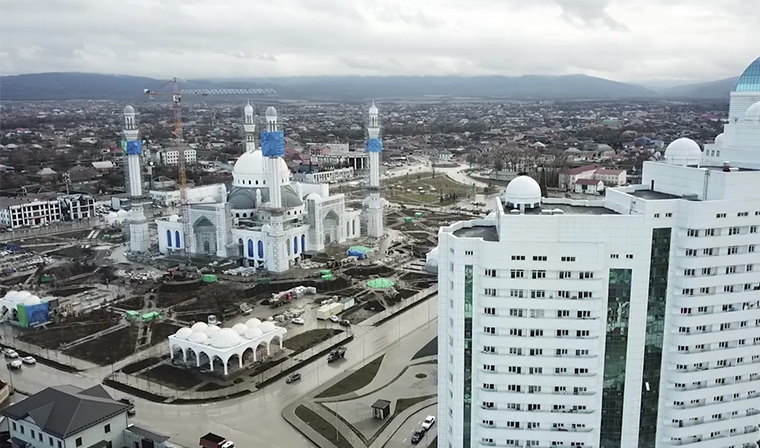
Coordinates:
[176,95]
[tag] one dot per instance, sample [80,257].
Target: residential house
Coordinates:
[615,178]
[589,186]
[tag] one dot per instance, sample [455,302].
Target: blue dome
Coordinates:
[750,79]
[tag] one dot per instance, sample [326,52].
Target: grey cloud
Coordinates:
[267,57]
[590,12]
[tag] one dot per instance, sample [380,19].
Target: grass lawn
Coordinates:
[308,339]
[430,349]
[355,381]
[325,429]
[397,189]
[405,403]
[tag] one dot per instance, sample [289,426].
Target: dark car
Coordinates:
[345,323]
[131,403]
[417,436]
[293,378]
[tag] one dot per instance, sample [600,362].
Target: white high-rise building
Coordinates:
[631,322]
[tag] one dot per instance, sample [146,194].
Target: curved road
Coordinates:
[253,420]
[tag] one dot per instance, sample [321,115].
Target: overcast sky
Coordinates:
[625,40]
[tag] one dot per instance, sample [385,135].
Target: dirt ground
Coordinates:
[168,375]
[307,339]
[57,335]
[118,345]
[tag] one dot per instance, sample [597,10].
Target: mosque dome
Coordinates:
[199,326]
[252,333]
[252,323]
[523,190]
[753,113]
[313,196]
[749,81]
[719,139]
[267,327]
[373,109]
[10,295]
[121,213]
[683,152]
[211,330]
[290,197]
[174,218]
[32,300]
[248,110]
[21,296]
[225,338]
[242,198]
[129,109]
[197,337]
[240,328]
[183,333]
[249,170]
[271,113]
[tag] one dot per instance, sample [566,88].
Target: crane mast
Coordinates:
[176,95]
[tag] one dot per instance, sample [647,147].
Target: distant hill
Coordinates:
[67,86]
[719,89]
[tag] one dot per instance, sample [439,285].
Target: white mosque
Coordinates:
[267,219]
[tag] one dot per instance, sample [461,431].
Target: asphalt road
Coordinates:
[403,437]
[253,420]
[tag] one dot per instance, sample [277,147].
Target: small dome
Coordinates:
[753,113]
[248,109]
[32,300]
[129,109]
[10,295]
[523,190]
[183,333]
[240,328]
[313,196]
[252,333]
[683,152]
[225,338]
[21,296]
[121,213]
[252,323]
[197,338]
[373,109]
[112,215]
[199,326]
[271,113]
[267,326]
[211,330]
[719,139]
[174,218]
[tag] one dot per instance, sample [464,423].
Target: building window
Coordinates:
[490,272]
[720,215]
[78,441]
[107,428]
[14,426]
[517,273]
[50,441]
[568,258]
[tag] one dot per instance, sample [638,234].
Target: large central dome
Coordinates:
[749,81]
[250,170]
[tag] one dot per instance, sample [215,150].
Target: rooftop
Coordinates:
[488,233]
[650,195]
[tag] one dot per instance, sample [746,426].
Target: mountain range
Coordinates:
[90,86]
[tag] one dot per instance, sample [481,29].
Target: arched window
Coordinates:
[257,182]
[303,243]
[295,245]
[169,238]
[261,249]
[250,248]
[176,239]
[237,215]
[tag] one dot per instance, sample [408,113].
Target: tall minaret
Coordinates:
[273,161]
[250,128]
[374,202]
[273,148]
[139,238]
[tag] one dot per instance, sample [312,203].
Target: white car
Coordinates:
[298,321]
[29,360]
[428,422]
[334,319]
[15,365]
[10,353]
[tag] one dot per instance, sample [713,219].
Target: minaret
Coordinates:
[250,128]
[374,202]
[273,148]
[139,238]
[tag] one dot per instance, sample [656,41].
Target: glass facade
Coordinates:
[467,414]
[750,79]
[616,347]
[658,290]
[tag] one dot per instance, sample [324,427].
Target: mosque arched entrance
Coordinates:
[330,227]
[205,235]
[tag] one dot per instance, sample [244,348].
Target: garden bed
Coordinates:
[142,364]
[322,427]
[355,381]
[174,377]
[307,339]
[108,348]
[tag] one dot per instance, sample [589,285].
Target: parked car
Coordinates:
[345,323]
[15,364]
[334,319]
[298,321]
[428,422]
[417,436]
[131,403]
[293,378]
[10,353]
[29,360]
